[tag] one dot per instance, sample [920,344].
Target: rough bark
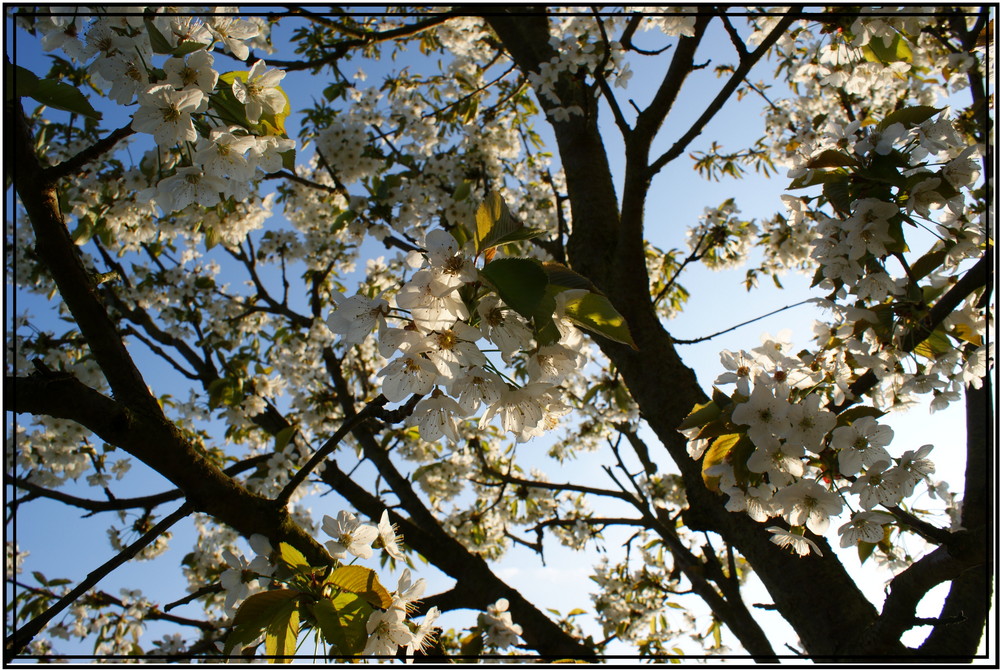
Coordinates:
[963,616]
[664,388]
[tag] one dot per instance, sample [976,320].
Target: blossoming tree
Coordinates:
[517,302]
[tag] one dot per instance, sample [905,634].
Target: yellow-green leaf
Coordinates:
[282,632]
[877,52]
[291,556]
[362,581]
[342,622]
[715,455]
[700,415]
[595,312]
[966,333]
[255,615]
[495,225]
[935,345]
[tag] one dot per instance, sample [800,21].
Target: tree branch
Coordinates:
[15,643]
[77,162]
[978,276]
[746,64]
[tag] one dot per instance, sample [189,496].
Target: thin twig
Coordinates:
[345,428]
[740,325]
[16,643]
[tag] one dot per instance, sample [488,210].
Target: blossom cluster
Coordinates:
[436,353]
[803,461]
[387,629]
[181,101]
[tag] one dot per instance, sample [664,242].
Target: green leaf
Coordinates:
[839,194]
[282,632]
[212,237]
[562,276]
[53,93]
[543,326]
[927,263]
[720,398]
[701,415]
[362,581]
[342,622]
[157,40]
[520,282]
[898,51]
[909,116]
[288,160]
[718,453]
[283,437]
[831,158]
[495,225]
[472,644]
[936,345]
[185,48]
[463,190]
[865,549]
[254,615]
[596,313]
[813,177]
[22,80]
[851,415]
[292,557]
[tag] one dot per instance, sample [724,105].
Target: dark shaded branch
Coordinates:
[551,486]
[77,162]
[360,39]
[346,428]
[978,276]
[59,254]
[477,587]
[161,446]
[143,502]
[907,589]
[681,65]
[969,597]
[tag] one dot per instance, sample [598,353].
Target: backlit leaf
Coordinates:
[282,632]
[495,225]
[716,454]
[255,615]
[700,415]
[936,344]
[851,415]
[362,581]
[562,276]
[831,158]
[909,116]
[595,312]
[342,622]
[291,556]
